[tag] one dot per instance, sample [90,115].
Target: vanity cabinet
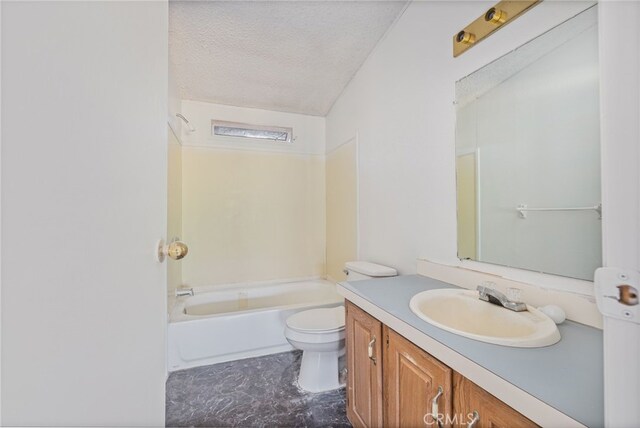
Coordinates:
[491,412]
[364,368]
[393,383]
[412,380]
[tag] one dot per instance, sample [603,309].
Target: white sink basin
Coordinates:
[463,313]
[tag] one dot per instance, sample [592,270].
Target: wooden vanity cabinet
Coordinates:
[491,412]
[412,380]
[392,383]
[364,368]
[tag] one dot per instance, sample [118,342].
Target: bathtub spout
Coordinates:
[181,292]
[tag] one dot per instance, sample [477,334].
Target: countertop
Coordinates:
[567,376]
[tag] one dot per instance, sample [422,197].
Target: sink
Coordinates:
[461,312]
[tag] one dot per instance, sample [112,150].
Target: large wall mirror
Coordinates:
[528,155]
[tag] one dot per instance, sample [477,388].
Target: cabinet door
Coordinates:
[412,380]
[364,368]
[491,412]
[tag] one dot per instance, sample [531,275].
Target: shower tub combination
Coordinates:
[231,322]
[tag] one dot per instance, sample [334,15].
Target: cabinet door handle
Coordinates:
[475,420]
[435,412]
[370,350]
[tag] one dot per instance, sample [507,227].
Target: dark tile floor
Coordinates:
[256,392]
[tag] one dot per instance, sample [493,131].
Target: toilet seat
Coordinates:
[317,321]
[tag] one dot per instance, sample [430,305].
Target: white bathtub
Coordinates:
[239,321]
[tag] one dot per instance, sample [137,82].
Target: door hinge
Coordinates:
[387,341]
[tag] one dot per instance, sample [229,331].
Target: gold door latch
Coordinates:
[176,250]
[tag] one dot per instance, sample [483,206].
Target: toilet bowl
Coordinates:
[319,334]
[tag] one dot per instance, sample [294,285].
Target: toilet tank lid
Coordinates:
[371,269]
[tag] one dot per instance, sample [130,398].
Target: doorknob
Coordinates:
[176,250]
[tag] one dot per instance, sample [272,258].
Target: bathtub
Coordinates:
[225,323]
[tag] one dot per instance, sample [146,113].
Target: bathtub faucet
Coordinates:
[181,292]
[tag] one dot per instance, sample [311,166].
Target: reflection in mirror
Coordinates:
[528,155]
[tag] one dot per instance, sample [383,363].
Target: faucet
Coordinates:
[181,292]
[497,298]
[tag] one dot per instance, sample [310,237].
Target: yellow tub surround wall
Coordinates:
[251,216]
[174,207]
[252,210]
[342,208]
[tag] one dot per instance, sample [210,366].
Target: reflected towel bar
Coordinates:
[522,209]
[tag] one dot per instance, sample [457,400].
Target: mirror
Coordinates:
[528,155]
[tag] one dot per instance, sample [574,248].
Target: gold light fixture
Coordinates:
[492,20]
[496,16]
[465,37]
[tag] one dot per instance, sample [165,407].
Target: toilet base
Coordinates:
[319,371]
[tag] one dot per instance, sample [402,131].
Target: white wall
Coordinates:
[84,107]
[252,210]
[400,104]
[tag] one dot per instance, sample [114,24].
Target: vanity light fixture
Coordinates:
[492,20]
[466,37]
[495,16]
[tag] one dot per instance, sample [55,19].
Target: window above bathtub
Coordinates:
[255,132]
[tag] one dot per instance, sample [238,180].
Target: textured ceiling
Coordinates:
[293,56]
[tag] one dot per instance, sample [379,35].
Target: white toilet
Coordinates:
[319,333]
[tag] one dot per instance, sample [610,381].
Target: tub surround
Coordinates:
[252,210]
[249,215]
[341,190]
[557,385]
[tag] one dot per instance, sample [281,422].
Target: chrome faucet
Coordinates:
[497,298]
[181,292]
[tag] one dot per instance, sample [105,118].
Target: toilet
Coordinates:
[319,334]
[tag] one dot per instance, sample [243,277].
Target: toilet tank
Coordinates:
[364,270]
